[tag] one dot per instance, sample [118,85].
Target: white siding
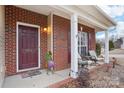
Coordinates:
[2,45]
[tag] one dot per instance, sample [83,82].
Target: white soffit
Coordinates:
[83,16]
[113,22]
[90,11]
[88,14]
[45,9]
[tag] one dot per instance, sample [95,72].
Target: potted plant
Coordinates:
[50,62]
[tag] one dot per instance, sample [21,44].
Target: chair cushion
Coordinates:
[80,62]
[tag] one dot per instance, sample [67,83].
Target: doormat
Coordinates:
[30,73]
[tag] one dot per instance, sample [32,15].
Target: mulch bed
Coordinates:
[100,77]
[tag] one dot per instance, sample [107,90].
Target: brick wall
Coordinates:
[61,29]
[12,15]
[61,48]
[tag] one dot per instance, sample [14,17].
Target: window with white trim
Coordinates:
[83,43]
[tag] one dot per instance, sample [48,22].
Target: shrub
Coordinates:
[111,45]
[98,49]
[48,56]
[118,43]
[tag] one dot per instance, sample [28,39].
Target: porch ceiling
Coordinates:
[89,15]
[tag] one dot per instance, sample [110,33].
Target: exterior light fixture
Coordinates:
[45,29]
[81,28]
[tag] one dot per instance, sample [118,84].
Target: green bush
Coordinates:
[48,56]
[98,49]
[111,45]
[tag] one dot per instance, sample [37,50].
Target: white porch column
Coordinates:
[2,45]
[107,46]
[74,46]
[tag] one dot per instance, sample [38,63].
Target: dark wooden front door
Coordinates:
[27,47]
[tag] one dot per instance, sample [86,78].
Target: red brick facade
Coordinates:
[61,31]
[12,15]
[61,37]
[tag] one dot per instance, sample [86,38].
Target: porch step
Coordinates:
[58,84]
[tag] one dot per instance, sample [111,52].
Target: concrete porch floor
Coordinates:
[38,81]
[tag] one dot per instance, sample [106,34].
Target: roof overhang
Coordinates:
[89,15]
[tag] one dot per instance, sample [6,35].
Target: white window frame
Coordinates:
[17,43]
[80,35]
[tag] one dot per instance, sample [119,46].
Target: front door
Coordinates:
[27,47]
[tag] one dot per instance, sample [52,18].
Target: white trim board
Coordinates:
[17,52]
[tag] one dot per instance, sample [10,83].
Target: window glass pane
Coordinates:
[82,43]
